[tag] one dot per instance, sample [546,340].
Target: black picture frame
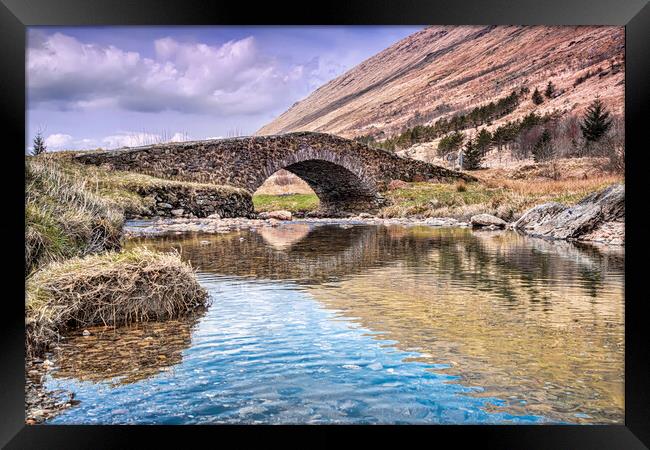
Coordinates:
[16,15]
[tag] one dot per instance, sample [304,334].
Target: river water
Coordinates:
[313,323]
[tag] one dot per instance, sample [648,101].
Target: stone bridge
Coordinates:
[345,174]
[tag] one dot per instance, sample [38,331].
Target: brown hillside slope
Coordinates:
[443,70]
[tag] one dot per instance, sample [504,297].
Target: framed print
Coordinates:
[404,218]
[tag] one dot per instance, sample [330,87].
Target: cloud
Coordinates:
[58,141]
[232,78]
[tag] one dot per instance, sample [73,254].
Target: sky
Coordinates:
[108,87]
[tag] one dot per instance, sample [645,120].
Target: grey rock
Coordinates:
[280,215]
[487,220]
[598,217]
[177,212]
[164,205]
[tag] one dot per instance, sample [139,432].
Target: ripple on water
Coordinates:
[367,325]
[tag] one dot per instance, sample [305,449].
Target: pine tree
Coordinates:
[39,144]
[472,156]
[537,97]
[450,143]
[596,122]
[543,148]
[550,89]
[484,141]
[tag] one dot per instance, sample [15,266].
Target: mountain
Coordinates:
[446,70]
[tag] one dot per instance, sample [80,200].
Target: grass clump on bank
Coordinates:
[114,288]
[289,202]
[63,218]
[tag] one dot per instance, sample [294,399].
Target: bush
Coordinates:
[111,289]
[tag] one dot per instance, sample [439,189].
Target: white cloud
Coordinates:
[58,141]
[130,139]
[232,78]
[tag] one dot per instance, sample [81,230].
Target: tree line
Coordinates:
[480,115]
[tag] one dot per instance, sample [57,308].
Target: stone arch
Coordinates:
[339,181]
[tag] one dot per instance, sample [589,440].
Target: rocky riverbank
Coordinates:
[599,218]
[163,226]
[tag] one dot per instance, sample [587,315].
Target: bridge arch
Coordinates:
[340,183]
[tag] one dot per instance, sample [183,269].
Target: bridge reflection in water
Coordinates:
[538,324]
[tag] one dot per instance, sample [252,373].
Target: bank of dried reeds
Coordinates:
[63,217]
[114,288]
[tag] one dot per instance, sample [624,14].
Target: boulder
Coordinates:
[280,215]
[487,220]
[178,212]
[397,184]
[599,217]
[214,216]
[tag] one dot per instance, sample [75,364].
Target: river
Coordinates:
[330,323]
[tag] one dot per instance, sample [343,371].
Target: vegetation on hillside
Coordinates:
[478,116]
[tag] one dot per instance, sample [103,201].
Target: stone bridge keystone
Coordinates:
[345,174]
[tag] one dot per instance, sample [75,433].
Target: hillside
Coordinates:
[446,70]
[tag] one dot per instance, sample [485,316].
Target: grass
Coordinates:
[132,192]
[503,197]
[114,288]
[289,202]
[63,218]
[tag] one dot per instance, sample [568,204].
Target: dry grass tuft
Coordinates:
[63,217]
[114,288]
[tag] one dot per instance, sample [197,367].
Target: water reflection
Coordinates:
[537,325]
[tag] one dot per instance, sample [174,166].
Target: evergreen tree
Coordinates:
[472,156]
[39,144]
[550,89]
[543,148]
[537,97]
[596,122]
[450,143]
[484,141]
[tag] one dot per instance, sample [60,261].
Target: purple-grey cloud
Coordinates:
[233,78]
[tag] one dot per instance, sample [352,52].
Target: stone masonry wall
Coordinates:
[344,173]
